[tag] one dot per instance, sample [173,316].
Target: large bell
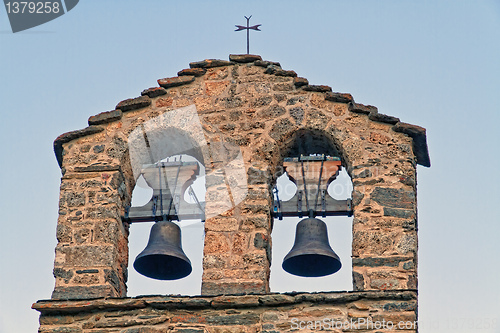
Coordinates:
[311,254]
[163,257]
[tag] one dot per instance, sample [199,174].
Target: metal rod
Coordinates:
[161,192]
[305,188]
[175,186]
[193,195]
[248,34]
[319,184]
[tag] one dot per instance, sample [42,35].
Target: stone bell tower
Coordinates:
[240,118]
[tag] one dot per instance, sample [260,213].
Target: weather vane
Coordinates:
[247,28]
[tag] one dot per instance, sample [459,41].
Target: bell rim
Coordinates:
[335,265]
[316,251]
[185,263]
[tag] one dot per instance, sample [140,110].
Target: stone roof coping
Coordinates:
[221,301]
[199,68]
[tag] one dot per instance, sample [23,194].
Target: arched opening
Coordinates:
[192,233]
[312,143]
[173,135]
[167,156]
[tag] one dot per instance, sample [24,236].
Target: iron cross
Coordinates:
[247,28]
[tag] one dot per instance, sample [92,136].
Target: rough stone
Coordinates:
[379,261]
[213,288]
[154,92]
[263,63]
[244,58]
[281,129]
[67,329]
[210,63]
[364,109]
[383,118]
[393,198]
[192,72]
[275,70]
[419,141]
[134,103]
[300,82]
[175,81]
[358,281]
[98,149]
[317,88]
[339,97]
[66,275]
[400,213]
[297,113]
[82,292]
[105,117]
[70,136]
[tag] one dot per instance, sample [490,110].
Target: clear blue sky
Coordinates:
[431,63]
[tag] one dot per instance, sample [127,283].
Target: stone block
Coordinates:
[105,117]
[400,306]
[89,255]
[257,221]
[134,103]
[297,113]
[339,97]
[210,63]
[400,213]
[215,88]
[274,70]
[154,92]
[276,299]
[216,242]
[219,223]
[192,72]
[383,118]
[300,81]
[175,81]
[358,281]
[244,58]
[235,301]
[379,261]
[393,197]
[257,176]
[272,112]
[64,329]
[246,318]
[213,288]
[282,129]
[264,63]
[419,141]
[360,108]
[83,292]
[317,88]
[70,136]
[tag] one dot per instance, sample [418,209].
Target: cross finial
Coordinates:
[247,28]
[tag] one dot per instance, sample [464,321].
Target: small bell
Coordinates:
[163,257]
[311,254]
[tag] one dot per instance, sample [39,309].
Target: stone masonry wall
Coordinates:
[336,312]
[259,107]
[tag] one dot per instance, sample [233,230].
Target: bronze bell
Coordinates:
[311,254]
[163,257]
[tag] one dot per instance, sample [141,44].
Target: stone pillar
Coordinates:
[384,243]
[92,251]
[237,252]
